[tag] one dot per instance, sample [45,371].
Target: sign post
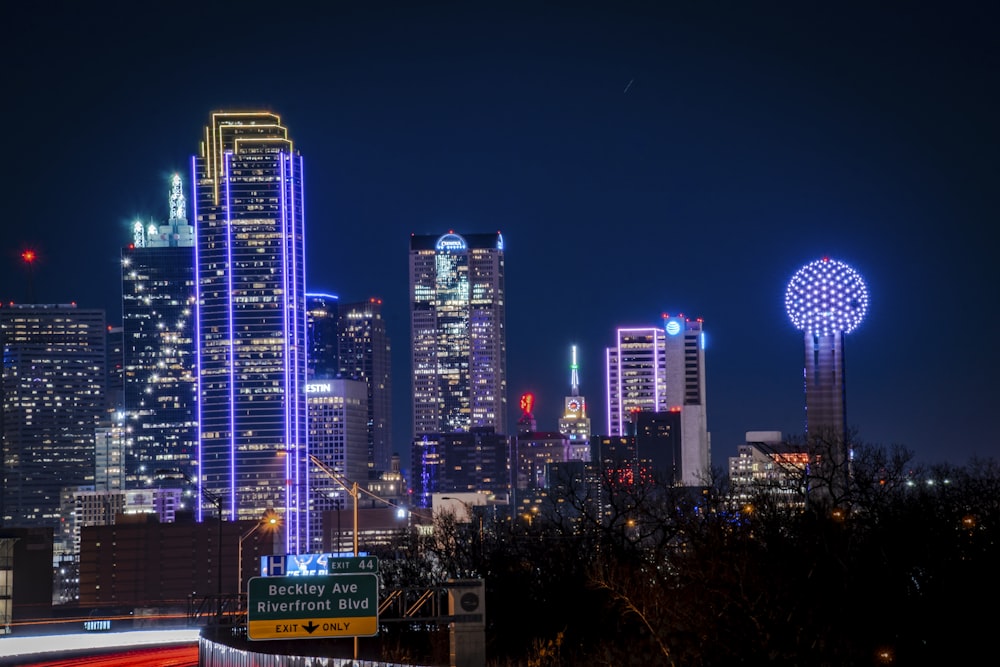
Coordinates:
[343,605]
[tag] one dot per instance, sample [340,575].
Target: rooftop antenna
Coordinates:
[574,375]
[138,235]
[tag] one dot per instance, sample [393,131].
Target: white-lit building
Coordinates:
[338,438]
[684,348]
[765,464]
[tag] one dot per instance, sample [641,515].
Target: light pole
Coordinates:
[269,521]
[352,490]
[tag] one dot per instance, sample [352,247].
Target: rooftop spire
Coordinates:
[177,204]
[574,374]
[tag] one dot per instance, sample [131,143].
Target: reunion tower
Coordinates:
[826,299]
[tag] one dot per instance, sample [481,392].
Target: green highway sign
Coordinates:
[353,564]
[343,605]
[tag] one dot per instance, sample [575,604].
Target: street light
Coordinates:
[215,500]
[270,520]
[353,490]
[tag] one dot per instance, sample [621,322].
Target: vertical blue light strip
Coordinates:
[197,333]
[611,430]
[303,408]
[232,342]
[291,515]
[621,394]
[656,369]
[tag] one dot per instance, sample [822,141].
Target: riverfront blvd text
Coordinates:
[313,590]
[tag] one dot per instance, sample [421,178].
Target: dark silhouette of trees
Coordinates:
[894,566]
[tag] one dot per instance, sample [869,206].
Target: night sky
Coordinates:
[680,157]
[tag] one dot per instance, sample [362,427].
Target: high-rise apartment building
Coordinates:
[684,347]
[363,353]
[53,397]
[158,361]
[457,297]
[636,377]
[251,321]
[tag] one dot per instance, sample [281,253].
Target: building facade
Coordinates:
[684,347]
[338,437]
[363,353]
[574,423]
[158,360]
[321,334]
[464,462]
[458,333]
[53,398]
[636,377]
[251,322]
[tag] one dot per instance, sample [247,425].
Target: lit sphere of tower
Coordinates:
[826,297]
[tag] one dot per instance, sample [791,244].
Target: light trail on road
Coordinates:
[170,656]
[28,650]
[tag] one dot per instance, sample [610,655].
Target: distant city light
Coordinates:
[826,297]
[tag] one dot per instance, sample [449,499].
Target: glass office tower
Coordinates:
[53,394]
[251,322]
[458,333]
[158,346]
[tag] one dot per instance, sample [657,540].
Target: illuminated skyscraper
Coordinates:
[826,299]
[575,424]
[321,335]
[685,354]
[251,321]
[458,333]
[338,437]
[53,392]
[662,371]
[636,377]
[158,346]
[363,353]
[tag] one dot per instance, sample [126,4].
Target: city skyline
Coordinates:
[637,160]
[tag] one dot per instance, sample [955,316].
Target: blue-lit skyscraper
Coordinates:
[251,321]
